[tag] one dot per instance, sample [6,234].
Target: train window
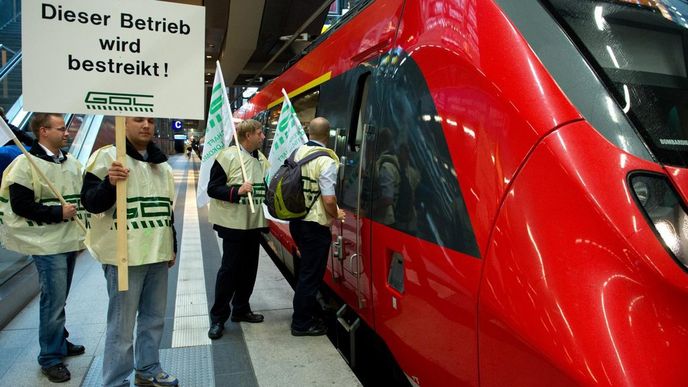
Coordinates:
[356,138]
[413,183]
[582,85]
[306,105]
[349,176]
[639,50]
[272,118]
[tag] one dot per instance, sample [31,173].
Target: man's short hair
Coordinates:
[39,120]
[246,127]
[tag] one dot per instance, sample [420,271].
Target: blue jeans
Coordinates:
[55,277]
[147,296]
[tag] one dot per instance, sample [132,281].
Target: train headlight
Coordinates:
[664,210]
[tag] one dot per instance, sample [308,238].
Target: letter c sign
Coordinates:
[177,125]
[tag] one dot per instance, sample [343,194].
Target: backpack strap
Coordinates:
[305,160]
[310,157]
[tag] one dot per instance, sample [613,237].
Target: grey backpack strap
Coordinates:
[310,157]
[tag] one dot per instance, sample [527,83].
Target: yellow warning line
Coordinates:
[317,81]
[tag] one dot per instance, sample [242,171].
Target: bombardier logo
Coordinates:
[101,100]
[672,141]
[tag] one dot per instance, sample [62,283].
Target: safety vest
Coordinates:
[310,173]
[238,215]
[150,191]
[36,238]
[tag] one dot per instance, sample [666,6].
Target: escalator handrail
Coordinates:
[11,64]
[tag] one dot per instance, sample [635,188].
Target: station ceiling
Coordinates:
[245,35]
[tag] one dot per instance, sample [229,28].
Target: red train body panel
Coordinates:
[560,274]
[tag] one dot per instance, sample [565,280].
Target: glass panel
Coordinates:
[640,50]
[415,188]
[352,155]
[270,127]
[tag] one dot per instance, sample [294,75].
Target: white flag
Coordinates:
[6,133]
[289,136]
[218,134]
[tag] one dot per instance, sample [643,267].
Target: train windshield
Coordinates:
[640,49]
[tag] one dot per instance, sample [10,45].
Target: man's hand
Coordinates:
[117,172]
[341,215]
[246,187]
[68,211]
[172,261]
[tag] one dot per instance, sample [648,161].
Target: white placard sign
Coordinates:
[114,57]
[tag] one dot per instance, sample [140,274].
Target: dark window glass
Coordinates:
[639,48]
[414,187]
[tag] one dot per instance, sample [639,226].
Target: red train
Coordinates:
[515,180]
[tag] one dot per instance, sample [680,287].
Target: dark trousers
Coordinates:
[237,274]
[313,241]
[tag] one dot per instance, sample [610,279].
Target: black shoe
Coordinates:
[57,373]
[313,330]
[215,331]
[75,349]
[248,317]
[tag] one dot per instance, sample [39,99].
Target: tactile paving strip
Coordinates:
[193,366]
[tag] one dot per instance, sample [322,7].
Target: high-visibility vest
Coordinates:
[150,191]
[36,238]
[238,215]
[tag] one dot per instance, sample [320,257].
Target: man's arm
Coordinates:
[326,182]
[97,195]
[218,189]
[23,204]
[330,204]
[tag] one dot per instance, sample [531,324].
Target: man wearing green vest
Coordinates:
[312,234]
[152,250]
[36,223]
[239,229]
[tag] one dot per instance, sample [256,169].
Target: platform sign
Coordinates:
[177,125]
[123,57]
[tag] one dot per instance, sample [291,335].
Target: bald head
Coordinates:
[319,129]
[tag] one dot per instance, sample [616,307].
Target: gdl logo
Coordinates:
[100,100]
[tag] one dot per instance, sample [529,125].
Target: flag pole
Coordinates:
[8,132]
[236,141]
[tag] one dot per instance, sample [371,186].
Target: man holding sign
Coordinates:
[151,250]
[37,223]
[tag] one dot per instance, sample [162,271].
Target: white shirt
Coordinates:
[328,177]
[56,158]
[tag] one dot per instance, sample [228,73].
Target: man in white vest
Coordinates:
[36,223]
[230,213]
[312,234]
[151,251]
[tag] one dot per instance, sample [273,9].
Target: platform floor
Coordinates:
[248,355]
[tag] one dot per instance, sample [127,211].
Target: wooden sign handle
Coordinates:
[122,256]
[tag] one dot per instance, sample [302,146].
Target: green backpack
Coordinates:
[284,197]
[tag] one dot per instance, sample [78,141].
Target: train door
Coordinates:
[350,258]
